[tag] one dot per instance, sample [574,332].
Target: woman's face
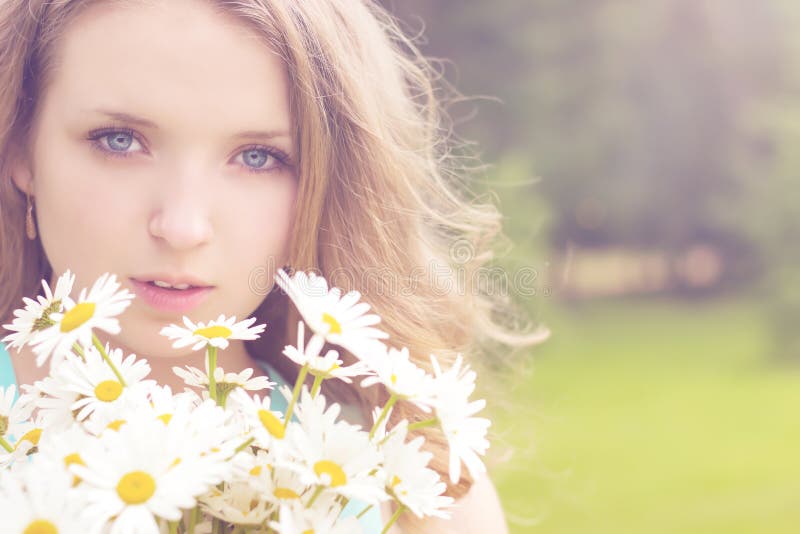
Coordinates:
[162,148]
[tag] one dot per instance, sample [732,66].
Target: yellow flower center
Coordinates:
[3,425]
[256,471]
[136,487]
[115,425]
[108,390]
[285,493]
[331,470]
[32,436]
[213,331]
[79,314]
[165,418]
[73,458]
[393,378]
[40,526]
[309,531]
[395,481]
[333,325]
[271,423]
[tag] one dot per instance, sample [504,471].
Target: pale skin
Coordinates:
[164,144]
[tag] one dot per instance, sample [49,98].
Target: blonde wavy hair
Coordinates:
[382,202]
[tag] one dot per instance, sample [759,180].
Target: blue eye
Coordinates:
[119,141]
[262,159]
[116,142]
[255,157]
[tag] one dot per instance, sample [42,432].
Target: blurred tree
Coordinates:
[630,112]
[771,168]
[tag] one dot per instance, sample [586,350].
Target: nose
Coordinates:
[181,218]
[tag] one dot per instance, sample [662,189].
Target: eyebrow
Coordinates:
[126,117]
[264,134]
[139,121]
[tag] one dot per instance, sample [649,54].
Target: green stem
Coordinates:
[423,424]
[400,510]
[102,350]
[173,527]
[77,349]
[314,497]
[193,518]
[211,353]
[364,511]
[244,445]
[383,415]
[295,394]
[6,445]
[216,526]
[315,387]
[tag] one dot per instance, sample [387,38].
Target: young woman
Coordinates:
[206,144]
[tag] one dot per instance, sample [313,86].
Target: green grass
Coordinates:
[650,417]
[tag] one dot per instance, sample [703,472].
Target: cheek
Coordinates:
[259,233]
[78,214]
[270,216]
[82,209]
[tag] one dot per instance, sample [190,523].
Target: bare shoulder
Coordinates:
[479,511]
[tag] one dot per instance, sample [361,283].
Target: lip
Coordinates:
[172,279]
[170,300]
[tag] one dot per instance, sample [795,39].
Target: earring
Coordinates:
[30,226]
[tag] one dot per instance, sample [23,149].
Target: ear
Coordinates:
[21,172]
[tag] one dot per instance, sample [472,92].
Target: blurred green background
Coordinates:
[645,155]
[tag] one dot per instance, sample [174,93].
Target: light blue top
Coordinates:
[370,522]
[7,377]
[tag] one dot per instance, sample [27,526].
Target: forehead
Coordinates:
[170,59]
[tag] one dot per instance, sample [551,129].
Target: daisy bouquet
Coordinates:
[96,446]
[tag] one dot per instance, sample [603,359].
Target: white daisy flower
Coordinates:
[29,434]
[194,377]
[98,388]
[251,462]
[407,477]
[35,316]
[401,377]
[39,498]
[208,431]
[294,518]
[13,412]
[336,455]
[140,476]
[466,435]
[341,320]
[95,309]
[216,333]
[279,484]
[238,503]
[313,411]
[327,366]
[164,404]
[264,424]
[68,447]
[53,401]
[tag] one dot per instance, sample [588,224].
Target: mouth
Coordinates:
[176,283]
[164,285]
[173,295]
